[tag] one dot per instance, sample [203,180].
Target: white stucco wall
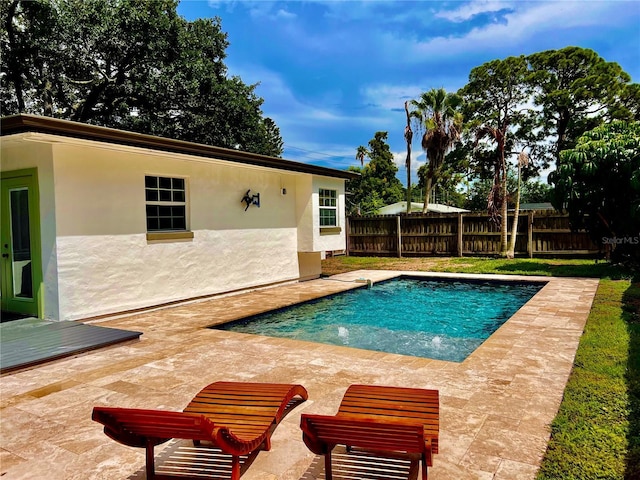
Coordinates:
[102,274]
[334,241]
[304,213]
[18,153]
[106,264]
[310,237]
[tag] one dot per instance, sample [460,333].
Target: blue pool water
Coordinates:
[445,320]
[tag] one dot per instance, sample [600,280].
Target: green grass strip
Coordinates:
[596,433]
[532,266]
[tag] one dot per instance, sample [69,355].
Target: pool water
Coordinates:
[440,319]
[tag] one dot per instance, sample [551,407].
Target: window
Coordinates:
[328,208]
[166,203]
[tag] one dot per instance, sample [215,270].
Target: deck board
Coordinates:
[32,341]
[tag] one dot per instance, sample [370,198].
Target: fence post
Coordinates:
[346,233]
[399,229]
[530,234]
[460,234]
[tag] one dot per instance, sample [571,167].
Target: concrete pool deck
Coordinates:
[496,406]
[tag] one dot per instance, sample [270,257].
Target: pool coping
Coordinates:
[496,406]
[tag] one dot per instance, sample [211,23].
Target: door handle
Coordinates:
[5,255]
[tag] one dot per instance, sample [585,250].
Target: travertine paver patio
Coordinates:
[496,406]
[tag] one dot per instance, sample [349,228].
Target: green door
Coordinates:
[19,243]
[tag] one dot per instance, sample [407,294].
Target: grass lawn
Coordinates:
[596,434]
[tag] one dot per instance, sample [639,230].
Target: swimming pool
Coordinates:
[440,319]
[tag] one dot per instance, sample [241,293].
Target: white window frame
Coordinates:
[168,197]
[328,201]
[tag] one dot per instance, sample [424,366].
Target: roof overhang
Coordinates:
[23,123]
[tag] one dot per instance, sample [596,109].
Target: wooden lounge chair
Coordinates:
[236,417]
[386,419]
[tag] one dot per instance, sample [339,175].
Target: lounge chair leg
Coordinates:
[328,474]
[424,467]
[235,468]
[151,469]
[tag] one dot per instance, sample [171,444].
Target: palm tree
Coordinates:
[438,114]
[408,136]
[361,153]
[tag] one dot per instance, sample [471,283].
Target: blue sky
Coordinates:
[332,73]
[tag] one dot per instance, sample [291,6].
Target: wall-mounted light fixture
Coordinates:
[250,200]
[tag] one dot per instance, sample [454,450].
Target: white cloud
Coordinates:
[400,158]
[471,9]
[280,101]
[349,10]
[315,117]
[390,96]
[532,20]
[299,120]
[229,5]
[282,13]
[329,155]
[544,174]
[262,10]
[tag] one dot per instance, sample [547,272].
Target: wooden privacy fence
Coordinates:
[459,234]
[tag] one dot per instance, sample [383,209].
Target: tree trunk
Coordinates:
[427,195]
[511,252]
[408,136]
[86,111]
[563,123]
[408,180]
[504,224]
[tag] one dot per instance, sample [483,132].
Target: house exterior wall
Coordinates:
[327,240]
[17,154]
[106,264]
[311,238]
[98,258]
[304,213]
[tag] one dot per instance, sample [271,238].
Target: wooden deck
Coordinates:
[31,341]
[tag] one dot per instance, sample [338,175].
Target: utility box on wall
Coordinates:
[309,265]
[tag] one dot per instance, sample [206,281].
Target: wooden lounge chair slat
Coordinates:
[384,390]
[418,412]
[380,418]
[231,409]
[392,419]
[243,400]
[424,400]
[238,420]
[371,431]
